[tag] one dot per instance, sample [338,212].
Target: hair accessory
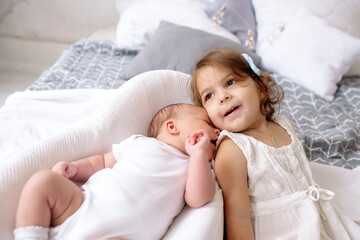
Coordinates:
[251,63]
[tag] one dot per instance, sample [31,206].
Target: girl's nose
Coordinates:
[223,97]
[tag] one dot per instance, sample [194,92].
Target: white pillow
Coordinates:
[341,14]
[141,19]
[298,42]
[205,223]
[344,15]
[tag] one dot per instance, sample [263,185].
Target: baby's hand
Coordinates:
[197,141]
[67,169]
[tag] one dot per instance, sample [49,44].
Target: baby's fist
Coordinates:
[67,169]
[199,140]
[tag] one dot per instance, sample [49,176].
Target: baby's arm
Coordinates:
[200,184]
[82,169]
[231,174]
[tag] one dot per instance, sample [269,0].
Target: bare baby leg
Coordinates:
[47,200]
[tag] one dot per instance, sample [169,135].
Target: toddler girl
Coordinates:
[268,189]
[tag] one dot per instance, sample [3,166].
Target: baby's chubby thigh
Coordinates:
[61,196]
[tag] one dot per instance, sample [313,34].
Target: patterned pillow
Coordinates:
[236,16]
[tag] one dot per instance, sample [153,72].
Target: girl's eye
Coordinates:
[230,82]
[208,96]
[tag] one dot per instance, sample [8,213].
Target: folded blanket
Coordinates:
[104,121]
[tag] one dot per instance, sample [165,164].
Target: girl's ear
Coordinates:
[171,127]
[261,93]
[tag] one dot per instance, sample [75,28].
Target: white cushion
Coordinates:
[313,48]
[140,20]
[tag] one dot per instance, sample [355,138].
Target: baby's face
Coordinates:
[194,118]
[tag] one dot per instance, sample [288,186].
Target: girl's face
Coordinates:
[232,102]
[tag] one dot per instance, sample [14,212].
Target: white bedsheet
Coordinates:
[40,128]
[28,117]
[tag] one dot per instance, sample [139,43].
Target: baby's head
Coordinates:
[224,64]
[174,123]
[166,113]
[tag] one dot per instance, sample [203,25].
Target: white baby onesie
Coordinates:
[136,199]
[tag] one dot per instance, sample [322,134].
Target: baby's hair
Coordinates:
[225,57]
[161,116]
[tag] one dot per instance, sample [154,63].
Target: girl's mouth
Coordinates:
[231,111]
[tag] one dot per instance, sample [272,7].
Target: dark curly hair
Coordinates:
[230,58]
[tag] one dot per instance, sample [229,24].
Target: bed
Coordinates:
[98,88]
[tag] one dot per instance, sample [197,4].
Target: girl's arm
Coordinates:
[200,184]
[82,169]
[231,174]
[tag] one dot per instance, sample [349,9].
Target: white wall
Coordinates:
[33,33]
[63,21]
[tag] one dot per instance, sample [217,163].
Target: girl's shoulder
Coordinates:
[229,153]
[239,139]
[283,122]
[223,135]
[287,125]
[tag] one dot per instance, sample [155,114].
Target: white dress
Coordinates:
[137,199]
[285,201]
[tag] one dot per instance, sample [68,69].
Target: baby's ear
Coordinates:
[171,127]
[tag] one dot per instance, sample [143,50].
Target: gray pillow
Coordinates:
[178,48]
[237,16]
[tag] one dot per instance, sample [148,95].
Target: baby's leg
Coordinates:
[47,199]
